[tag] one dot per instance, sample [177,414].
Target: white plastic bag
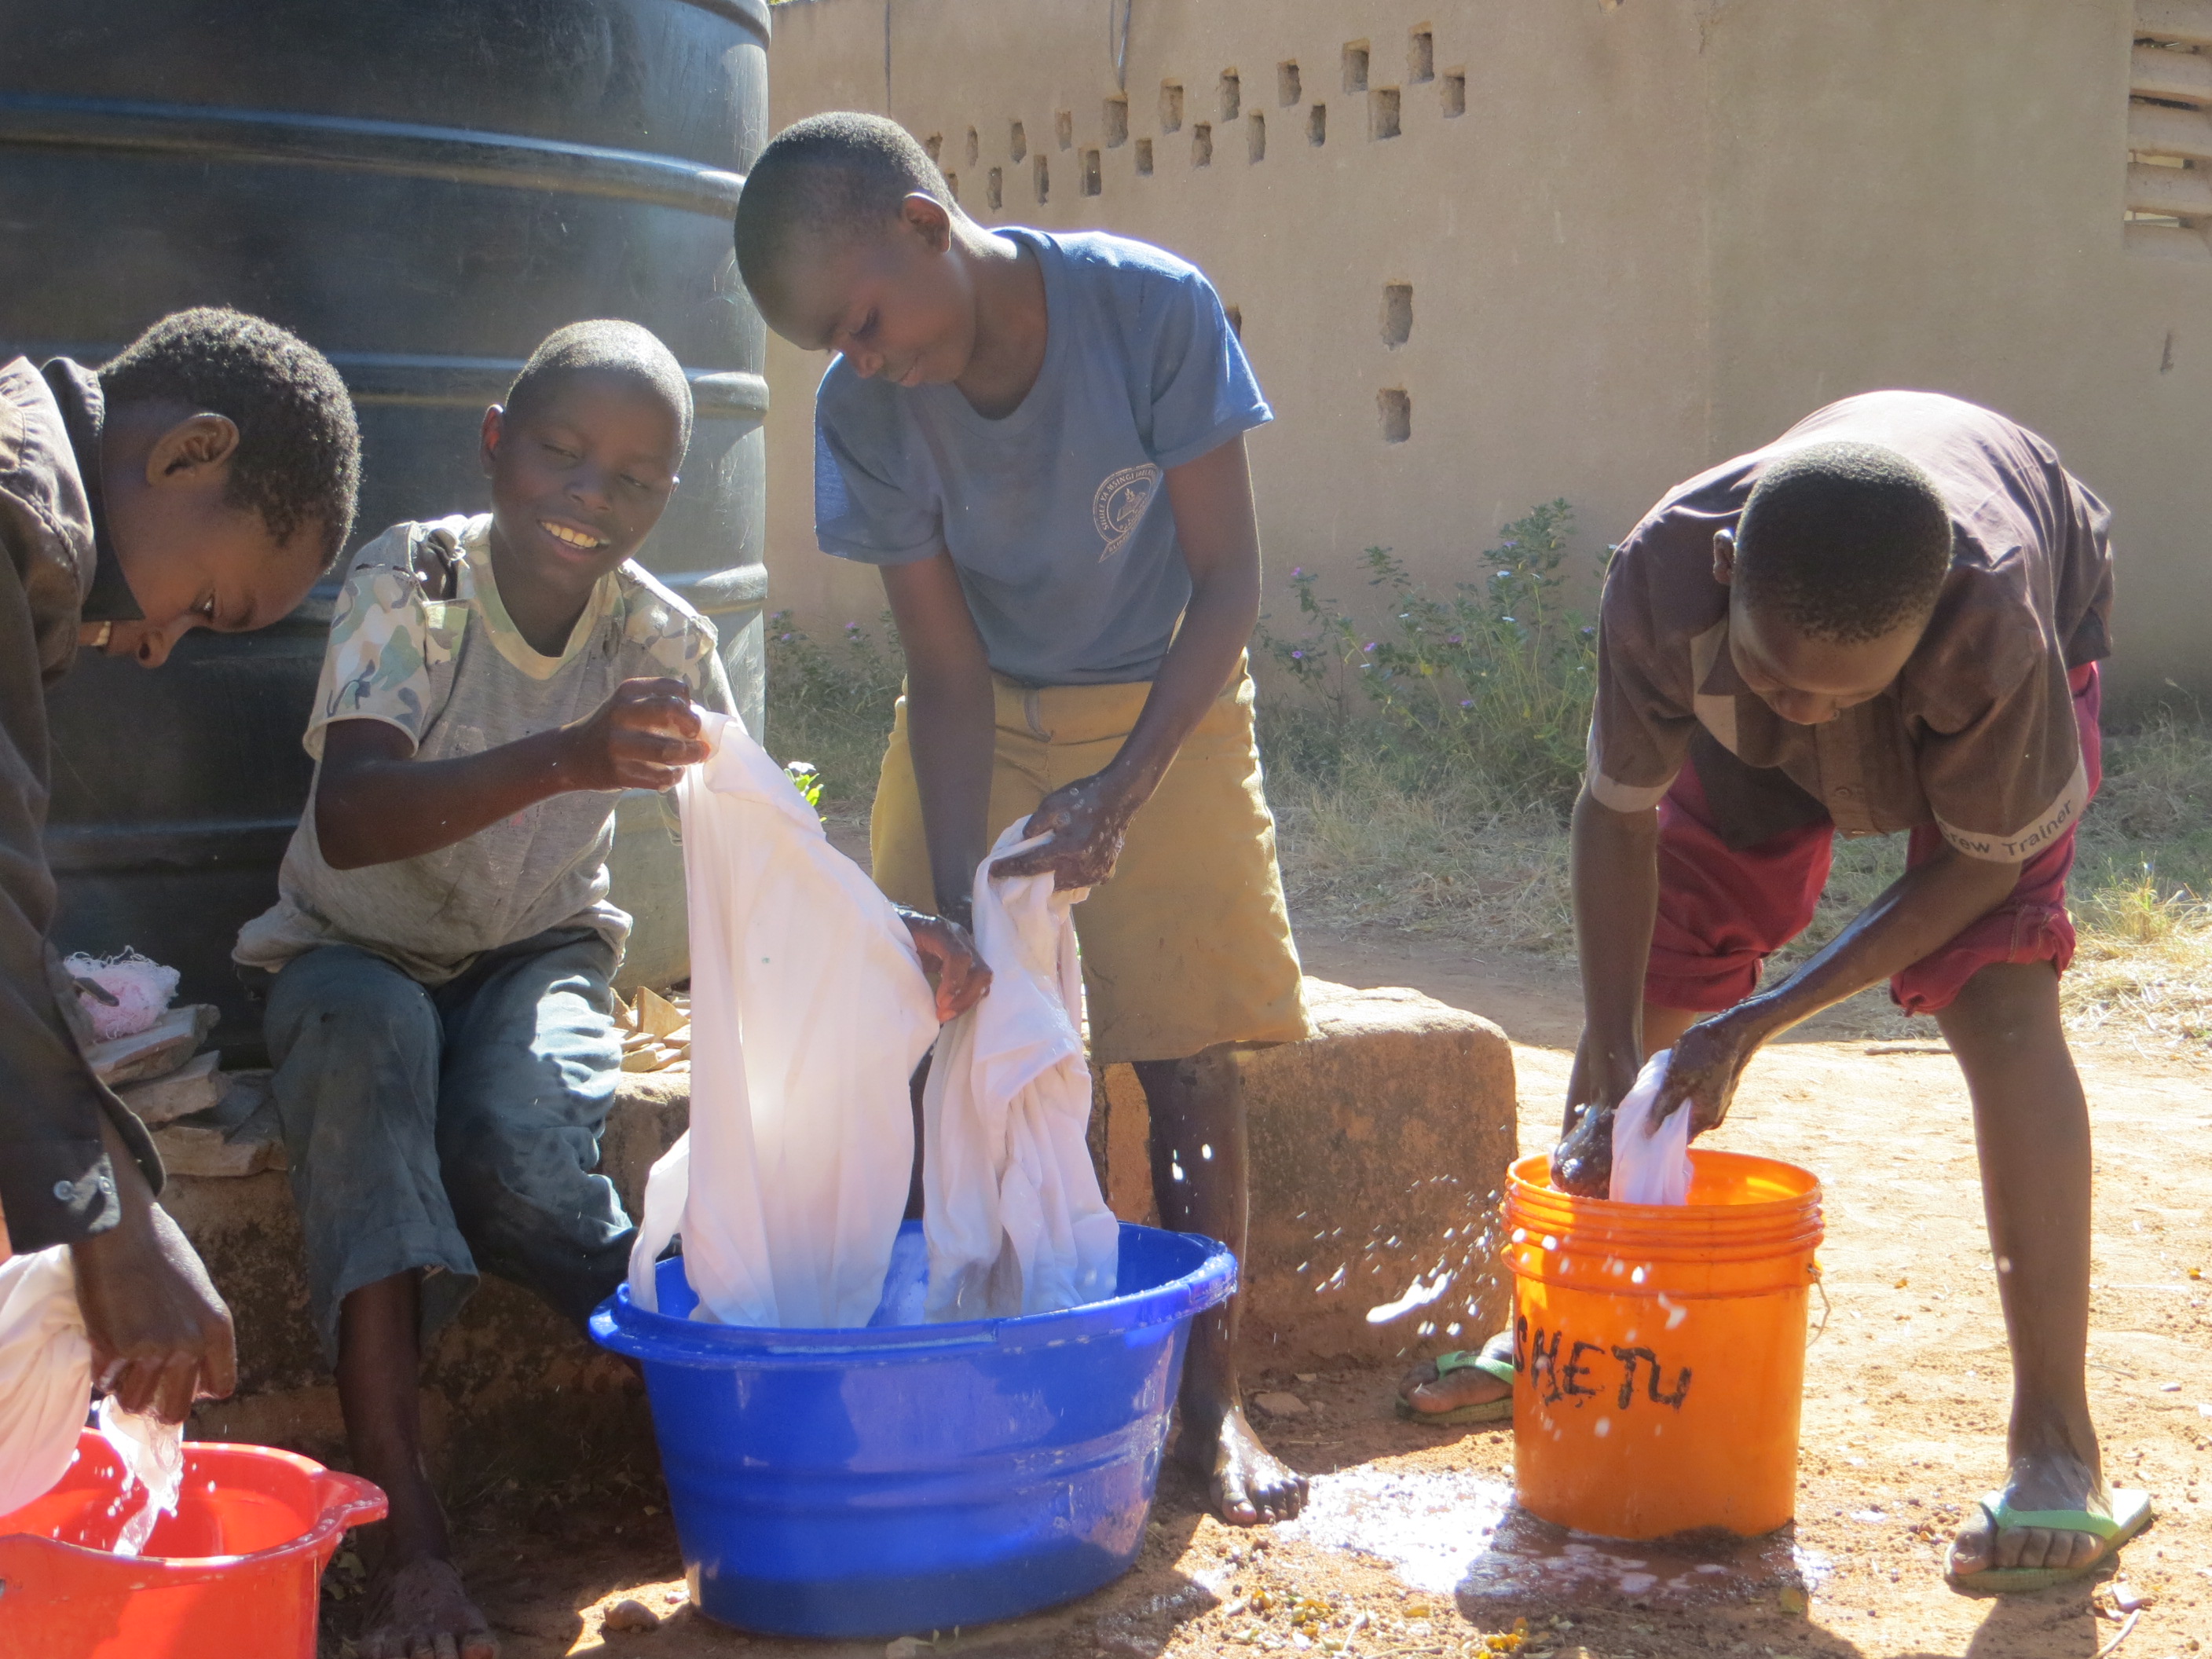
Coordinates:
[46,1374]
[1650,1168]
[809,1012]
[1010,1207]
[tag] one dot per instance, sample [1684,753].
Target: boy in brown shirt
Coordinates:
[1888,619]
[204,478]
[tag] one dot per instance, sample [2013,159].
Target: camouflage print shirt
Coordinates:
[458,678]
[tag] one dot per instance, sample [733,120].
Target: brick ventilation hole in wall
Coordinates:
[1287,91]
[1235,316]
[1145,157]
[1397,412]
[1452,91]
[1420,57]
[1090,184]
[1397,313]
[1255,137]
[2168,201]
[1355,66]
[1113,116]
[1201,145]
[952,183]
[1233,96]
[934,144]
[974,147]
[1018,140]
[1317,124]
[1063,129]
[1170,106]
[994,189]
[1382,113]
[1043,174]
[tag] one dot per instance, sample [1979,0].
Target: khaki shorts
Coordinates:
[1188,943]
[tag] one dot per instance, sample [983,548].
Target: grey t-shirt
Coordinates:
[458,678]
[1054,515]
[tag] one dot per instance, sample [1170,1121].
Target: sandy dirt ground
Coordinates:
[1411,1551]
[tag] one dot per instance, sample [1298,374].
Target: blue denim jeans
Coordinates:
[451,1131]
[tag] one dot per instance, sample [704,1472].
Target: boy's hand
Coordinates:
[950,957]
[642,738]
[1707,1063]
[1581,1164]
[161,1336]
[1087,821]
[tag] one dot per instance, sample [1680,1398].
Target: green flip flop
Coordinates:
[2131,1513]
[1494,1359]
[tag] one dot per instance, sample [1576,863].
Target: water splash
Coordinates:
[152,1454]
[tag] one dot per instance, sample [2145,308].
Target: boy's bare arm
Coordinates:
[1614,863]
[1920,912]
[949,721]
[1212,499]
[375,804]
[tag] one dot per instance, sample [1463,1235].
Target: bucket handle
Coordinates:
[1812,1272]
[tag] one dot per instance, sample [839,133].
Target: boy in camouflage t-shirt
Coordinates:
[440,1016]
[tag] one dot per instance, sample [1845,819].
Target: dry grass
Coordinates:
[1360,847]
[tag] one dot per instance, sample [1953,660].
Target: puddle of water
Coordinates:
[1427,1524]
[1451,1534]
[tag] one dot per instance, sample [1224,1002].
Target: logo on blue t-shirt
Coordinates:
[1119,507]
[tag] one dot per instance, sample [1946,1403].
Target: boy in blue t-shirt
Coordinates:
[1039,441]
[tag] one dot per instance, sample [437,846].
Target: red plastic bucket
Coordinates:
[236,1573]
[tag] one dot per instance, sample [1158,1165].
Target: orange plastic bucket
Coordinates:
[1660,1349]
[236,1573]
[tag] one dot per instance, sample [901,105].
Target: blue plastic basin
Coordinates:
[913,1478]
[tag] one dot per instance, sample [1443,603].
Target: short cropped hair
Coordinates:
[1843,542]
[605,346]
[824,179]
[298,460]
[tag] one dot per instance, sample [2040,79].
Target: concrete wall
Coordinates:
[1658,233]
[1932,195]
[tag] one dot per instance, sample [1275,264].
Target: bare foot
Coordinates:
[2054,1481]
[1421,1389]
[1250,1484]
[424,1613]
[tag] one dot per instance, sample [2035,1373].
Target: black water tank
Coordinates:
[424,189]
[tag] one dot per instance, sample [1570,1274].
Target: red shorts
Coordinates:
[1723,911]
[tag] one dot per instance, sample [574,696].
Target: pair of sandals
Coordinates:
[2131,1512]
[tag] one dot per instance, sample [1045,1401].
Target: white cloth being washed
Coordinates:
[45,1387]
[1651,1168]
[46,1374]
[1011,1209]
[809,1012]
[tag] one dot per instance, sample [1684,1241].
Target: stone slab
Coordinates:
[160,1049]
[198,1086]
[1379,1148]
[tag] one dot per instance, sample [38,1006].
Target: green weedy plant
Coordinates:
[832,703]
[1494,681]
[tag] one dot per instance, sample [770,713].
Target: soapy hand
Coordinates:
[1084,824]
[948,956]
[1709,1061]
[1581,1164]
